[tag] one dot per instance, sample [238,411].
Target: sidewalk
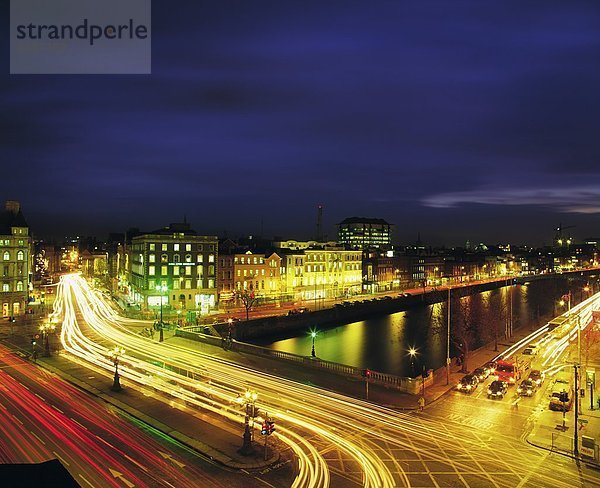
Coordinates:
[545,433]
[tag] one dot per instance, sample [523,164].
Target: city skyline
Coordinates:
[466,124]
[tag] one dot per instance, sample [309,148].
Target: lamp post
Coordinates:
[313,335]
[161,289]
[448,342]
[412,352]
[115,355]
[46,328]
[249,401]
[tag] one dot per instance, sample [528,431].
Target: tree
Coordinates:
[590,338]
[464,327]
[248,298]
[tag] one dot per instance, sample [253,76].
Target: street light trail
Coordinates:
[34,429]
[303,408]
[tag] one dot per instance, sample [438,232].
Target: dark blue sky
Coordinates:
[458,120]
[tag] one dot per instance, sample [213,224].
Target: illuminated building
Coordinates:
[320,271]
[15,256]
[181,260]
[363,233]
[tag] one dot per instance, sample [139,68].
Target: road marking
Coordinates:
[38,438]
[117,474]
[81,476]
[60,458]
[171,458]
[40,397]
[79,423]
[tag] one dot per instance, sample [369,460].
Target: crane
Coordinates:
[559,238]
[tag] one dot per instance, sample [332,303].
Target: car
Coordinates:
[481,373]
[536,376]
[468,383]
[526,388]
[531,350]
[490,366]
[497,389]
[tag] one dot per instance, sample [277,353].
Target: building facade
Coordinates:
[16,260]
[363,233]
[177,258]
[322,271]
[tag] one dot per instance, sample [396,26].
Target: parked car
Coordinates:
[490,366]
[481,373]
[561,397]
[297,311]
[531,350]
[526,388]
[536,376]
[468,383]
[497,389]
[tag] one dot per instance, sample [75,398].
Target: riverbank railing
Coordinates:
[401,383]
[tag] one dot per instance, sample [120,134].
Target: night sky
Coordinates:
[459,120]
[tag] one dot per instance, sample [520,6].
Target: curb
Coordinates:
[201,448]
[589,462]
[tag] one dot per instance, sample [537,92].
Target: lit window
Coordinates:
[163,270]
[151,285]
[19,286]
[211,270]
[151,270]
[199,270]
[175,284]
[211,258]
[211,283]
[188,270]
[164,258]
[20,255]
[164,247]
[188,258]
[152,258]
[152,246]
[175,270]
[6,256]
[188,284]
[200,258]
[188,247]
[175,247]
[5,287]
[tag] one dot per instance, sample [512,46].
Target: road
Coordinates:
[338,441]
[43,417]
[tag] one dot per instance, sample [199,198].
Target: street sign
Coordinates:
[588,446]
[590,376]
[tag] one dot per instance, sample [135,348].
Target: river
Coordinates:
[382,343]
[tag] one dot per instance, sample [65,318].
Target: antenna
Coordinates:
[319,223]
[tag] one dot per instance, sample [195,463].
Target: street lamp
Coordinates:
[46,328]
[115,355]
[313,335]
[249,401]
[412,352]
[161,289]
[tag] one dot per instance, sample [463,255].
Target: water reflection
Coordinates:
[382,343]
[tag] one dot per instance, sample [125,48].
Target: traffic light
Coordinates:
[267,427]
[33,341]
[367,373]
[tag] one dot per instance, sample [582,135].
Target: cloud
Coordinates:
[568,199]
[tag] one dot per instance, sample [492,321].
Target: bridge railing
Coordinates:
[410,385]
